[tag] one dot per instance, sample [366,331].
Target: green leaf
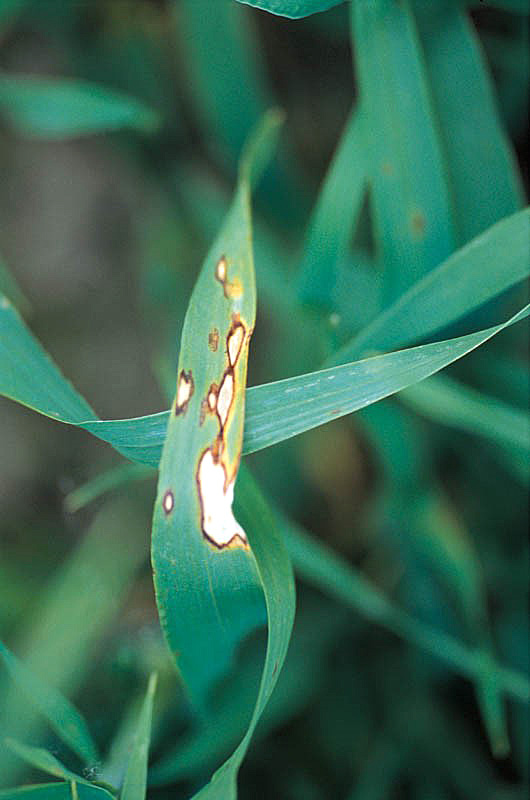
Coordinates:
[197,545]
[294,9]
[449,402]
[56,791]
[478,272]
[42,759]
[58,108]
[316,631]
[280,410]
[407,174]
[65,720]
[134,785]
[482,169]
[323,568]
[274,411]
[74,611]
[103,483]
[278,585]
[226,85]
[333,219]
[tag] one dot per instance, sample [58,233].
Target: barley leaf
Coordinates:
[42,759]
[412,207]
[134,785]
[66,720]
[56,791]
[204,570]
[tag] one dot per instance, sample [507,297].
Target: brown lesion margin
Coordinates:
[231,290]
[187,378]
[218,445]
[236,540]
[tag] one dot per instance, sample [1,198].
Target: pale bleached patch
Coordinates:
[218,521]
[220,269]
[234,343]
[225,397]
[212,400]
[184,390]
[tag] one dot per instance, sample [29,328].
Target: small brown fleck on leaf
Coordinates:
[387,168]
[418,223]
[213,340]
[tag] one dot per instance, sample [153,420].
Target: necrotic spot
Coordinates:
[168,502]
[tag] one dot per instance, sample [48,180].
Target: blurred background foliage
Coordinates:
[104,236]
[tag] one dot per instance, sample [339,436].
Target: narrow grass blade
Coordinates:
[56,791]
[280,410]
[275,411]
[227,85]
[65,720]
[449,402]
[73,613]
[482,168]
[134,785]
[493,262]
[59,108]
[294,9]
[333,219]
[204,570]
[441,537]
[105,482]
[315,633]
[278,585]
[42,759]
[413,224]
[323,568]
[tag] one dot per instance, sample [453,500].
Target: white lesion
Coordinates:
[168,502]
[221,269]
[184,390]
[218,522]
[234,343]
[212,400]
[225,397]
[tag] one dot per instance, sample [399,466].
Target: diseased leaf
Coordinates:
[274,412]
[278,585]
[65,720]
[58,108]
[204,571]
